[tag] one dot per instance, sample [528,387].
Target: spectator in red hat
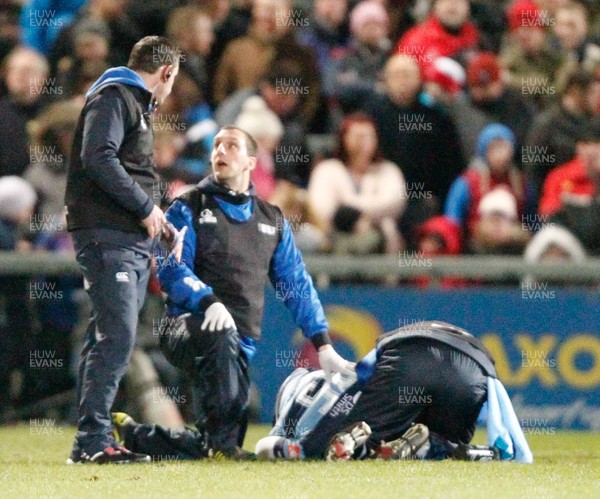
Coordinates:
[444,80]
[531,66]
[443,84]
[446,32]
[499,103]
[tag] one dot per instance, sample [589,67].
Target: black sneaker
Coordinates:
[110,455]
[234,454]
[406,446]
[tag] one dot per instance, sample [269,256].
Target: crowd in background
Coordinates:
[430,127]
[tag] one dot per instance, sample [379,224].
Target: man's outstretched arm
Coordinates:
[289,276]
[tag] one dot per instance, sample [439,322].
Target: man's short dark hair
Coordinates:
[251,144]
[152,52]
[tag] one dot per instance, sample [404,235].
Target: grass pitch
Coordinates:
[567,464]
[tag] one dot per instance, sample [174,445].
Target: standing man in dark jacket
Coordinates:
[114,221]
[421,140]
[234,243]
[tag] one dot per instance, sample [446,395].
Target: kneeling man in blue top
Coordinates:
[418,394]
[233,245]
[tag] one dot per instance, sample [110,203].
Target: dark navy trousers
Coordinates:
[116,278]
[218,367]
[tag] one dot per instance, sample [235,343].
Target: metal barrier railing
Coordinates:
[481,268]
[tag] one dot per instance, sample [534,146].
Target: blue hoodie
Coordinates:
[120,74]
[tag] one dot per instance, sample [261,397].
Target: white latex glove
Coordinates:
[331,362]
[217,317]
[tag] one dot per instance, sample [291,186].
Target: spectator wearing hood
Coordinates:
[446,32]
[438,236]
[493,167]
[359,70]
[531,66]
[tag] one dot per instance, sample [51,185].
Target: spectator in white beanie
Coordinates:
[17,201]
[498,229]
